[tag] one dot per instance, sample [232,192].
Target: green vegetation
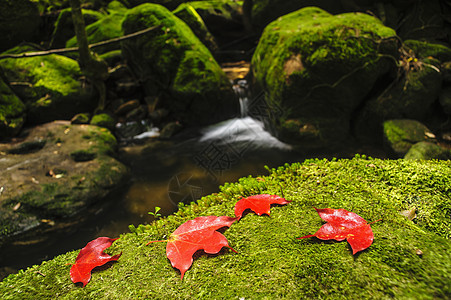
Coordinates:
[408,259]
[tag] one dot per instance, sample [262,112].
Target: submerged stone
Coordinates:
[40,181]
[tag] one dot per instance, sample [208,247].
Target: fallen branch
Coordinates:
[73,49]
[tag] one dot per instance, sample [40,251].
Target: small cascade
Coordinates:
[241,89]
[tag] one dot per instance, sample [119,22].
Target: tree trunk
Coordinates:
[247,15]
[95,69]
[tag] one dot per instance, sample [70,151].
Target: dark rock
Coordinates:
[127,107]
[19,21]
[169,130]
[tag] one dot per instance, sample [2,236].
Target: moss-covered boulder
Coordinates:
[19,21]
[50,86]
[427,150]
[103,120]
[408,258]
[43,177]
[220,16]
[175,68]
[411,96]
[106,28]
[402,134]
[64,26]
[191,17]
[316,70]
[12,112]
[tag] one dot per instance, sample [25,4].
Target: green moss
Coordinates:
[52,90]
[424,50]
[401,134]
[12,111]
[427,150]
[82,155]
[106,28]
[103,120]
[271,263]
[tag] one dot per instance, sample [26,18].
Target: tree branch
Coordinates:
[73,49]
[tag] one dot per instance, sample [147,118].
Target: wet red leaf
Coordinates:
[91,256]
[342,224]
[260,204]
[197,234]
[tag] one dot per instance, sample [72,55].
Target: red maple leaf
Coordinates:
[197,234]
[91,256]
[342,224]
[260,204]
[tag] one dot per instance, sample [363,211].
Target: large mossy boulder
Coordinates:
[106,28]
[12,112]
[175,68]
[188,14]
[64,26]
[58,170]
[19,22]
[401,134]
[50,86]
[408,258]
[316,70]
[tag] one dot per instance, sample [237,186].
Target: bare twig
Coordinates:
[73,49]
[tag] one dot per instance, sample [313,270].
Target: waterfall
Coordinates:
[241,88]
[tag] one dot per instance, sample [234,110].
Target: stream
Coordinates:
[163,173]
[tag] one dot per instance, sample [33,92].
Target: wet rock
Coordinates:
[49,181]
[12,112]
[445,100]
[402,134]
[50,86]
[170,130]
[175,67]
[127,107]
[316,70]
[426,150]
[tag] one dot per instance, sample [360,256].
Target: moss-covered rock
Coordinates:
[12,112]
[106,28]
[64,26]
[408,259]
[427,150]
[58,170]
[425,49]
[176,68]
[19,21]
[410,97]
[103,120]
[402,134]
[317,69]
[50,86]
[191,17]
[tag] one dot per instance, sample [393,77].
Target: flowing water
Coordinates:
[163,173]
